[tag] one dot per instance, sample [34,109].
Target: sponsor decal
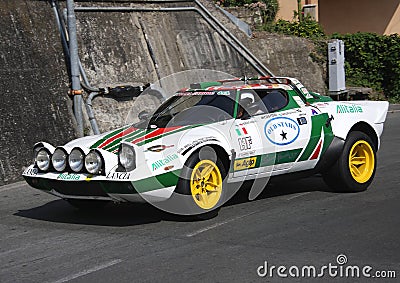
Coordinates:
[314,112]
[305,91]
[247,153]
[224,92]
[31,172]
[89,178]
[118,175]
[241,131]
[245,163]
[68,176]
[281,130]
[245,143]
[195,143]
[280,114]
[195,93]
[267,116]
[163,162]
[158,148]
[298,100]
[349,109]
[302,120]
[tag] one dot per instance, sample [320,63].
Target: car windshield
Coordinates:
[190,108]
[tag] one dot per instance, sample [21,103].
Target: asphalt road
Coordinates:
[300,223]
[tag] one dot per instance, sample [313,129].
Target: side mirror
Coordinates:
[143,115]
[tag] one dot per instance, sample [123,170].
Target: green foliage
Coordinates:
[373,61]
[268,8]
[307,28]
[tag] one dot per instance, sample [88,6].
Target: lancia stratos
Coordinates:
[206,138]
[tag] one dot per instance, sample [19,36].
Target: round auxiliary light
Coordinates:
[76,160]
[127,157]
[42,159]
[93,162]
[59,159]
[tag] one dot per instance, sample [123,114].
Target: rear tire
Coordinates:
[355,168]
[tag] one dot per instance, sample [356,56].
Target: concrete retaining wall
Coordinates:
[113,48]
[33,83]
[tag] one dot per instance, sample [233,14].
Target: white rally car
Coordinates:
[206,138]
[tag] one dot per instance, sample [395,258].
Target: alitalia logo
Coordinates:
[163,162]
[66,176]
[349,109]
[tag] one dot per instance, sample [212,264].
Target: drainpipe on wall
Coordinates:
[76,90]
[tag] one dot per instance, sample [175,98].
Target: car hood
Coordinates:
[110,141]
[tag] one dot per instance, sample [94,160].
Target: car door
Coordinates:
[285,134]
[278,136]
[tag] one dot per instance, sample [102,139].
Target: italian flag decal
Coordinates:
[241,131]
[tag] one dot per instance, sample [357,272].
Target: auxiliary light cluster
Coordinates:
[76,161]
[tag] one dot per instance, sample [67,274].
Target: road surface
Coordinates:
[300,223]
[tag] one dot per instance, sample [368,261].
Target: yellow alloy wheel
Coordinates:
[361,161]
[206,184]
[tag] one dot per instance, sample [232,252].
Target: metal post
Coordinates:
[74,59]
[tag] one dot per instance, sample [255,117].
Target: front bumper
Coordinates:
[84,186]
[101,190]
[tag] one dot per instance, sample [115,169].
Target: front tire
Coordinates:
[202,184]
[356,166]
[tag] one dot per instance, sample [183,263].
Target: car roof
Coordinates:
[242,84]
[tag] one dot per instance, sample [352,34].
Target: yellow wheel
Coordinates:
[361,161]
[201,189]
[206,184]
[355,168]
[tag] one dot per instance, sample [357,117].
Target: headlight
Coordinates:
[75,160]
[42,159]
[59,159]
[127,157]
[93,162]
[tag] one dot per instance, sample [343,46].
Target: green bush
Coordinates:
[307,28]
[373,61]
[268,8]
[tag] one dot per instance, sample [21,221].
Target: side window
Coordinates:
[273,100]
[261,101]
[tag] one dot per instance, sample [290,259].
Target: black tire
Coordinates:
[87,205]
[207,156]
[345,175]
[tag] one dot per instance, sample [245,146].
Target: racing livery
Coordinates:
[211,135]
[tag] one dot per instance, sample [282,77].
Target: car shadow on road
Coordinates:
[279,187]
[131,214]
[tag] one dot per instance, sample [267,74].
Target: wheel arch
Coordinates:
[366,129]
[221,153]
[219,150]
